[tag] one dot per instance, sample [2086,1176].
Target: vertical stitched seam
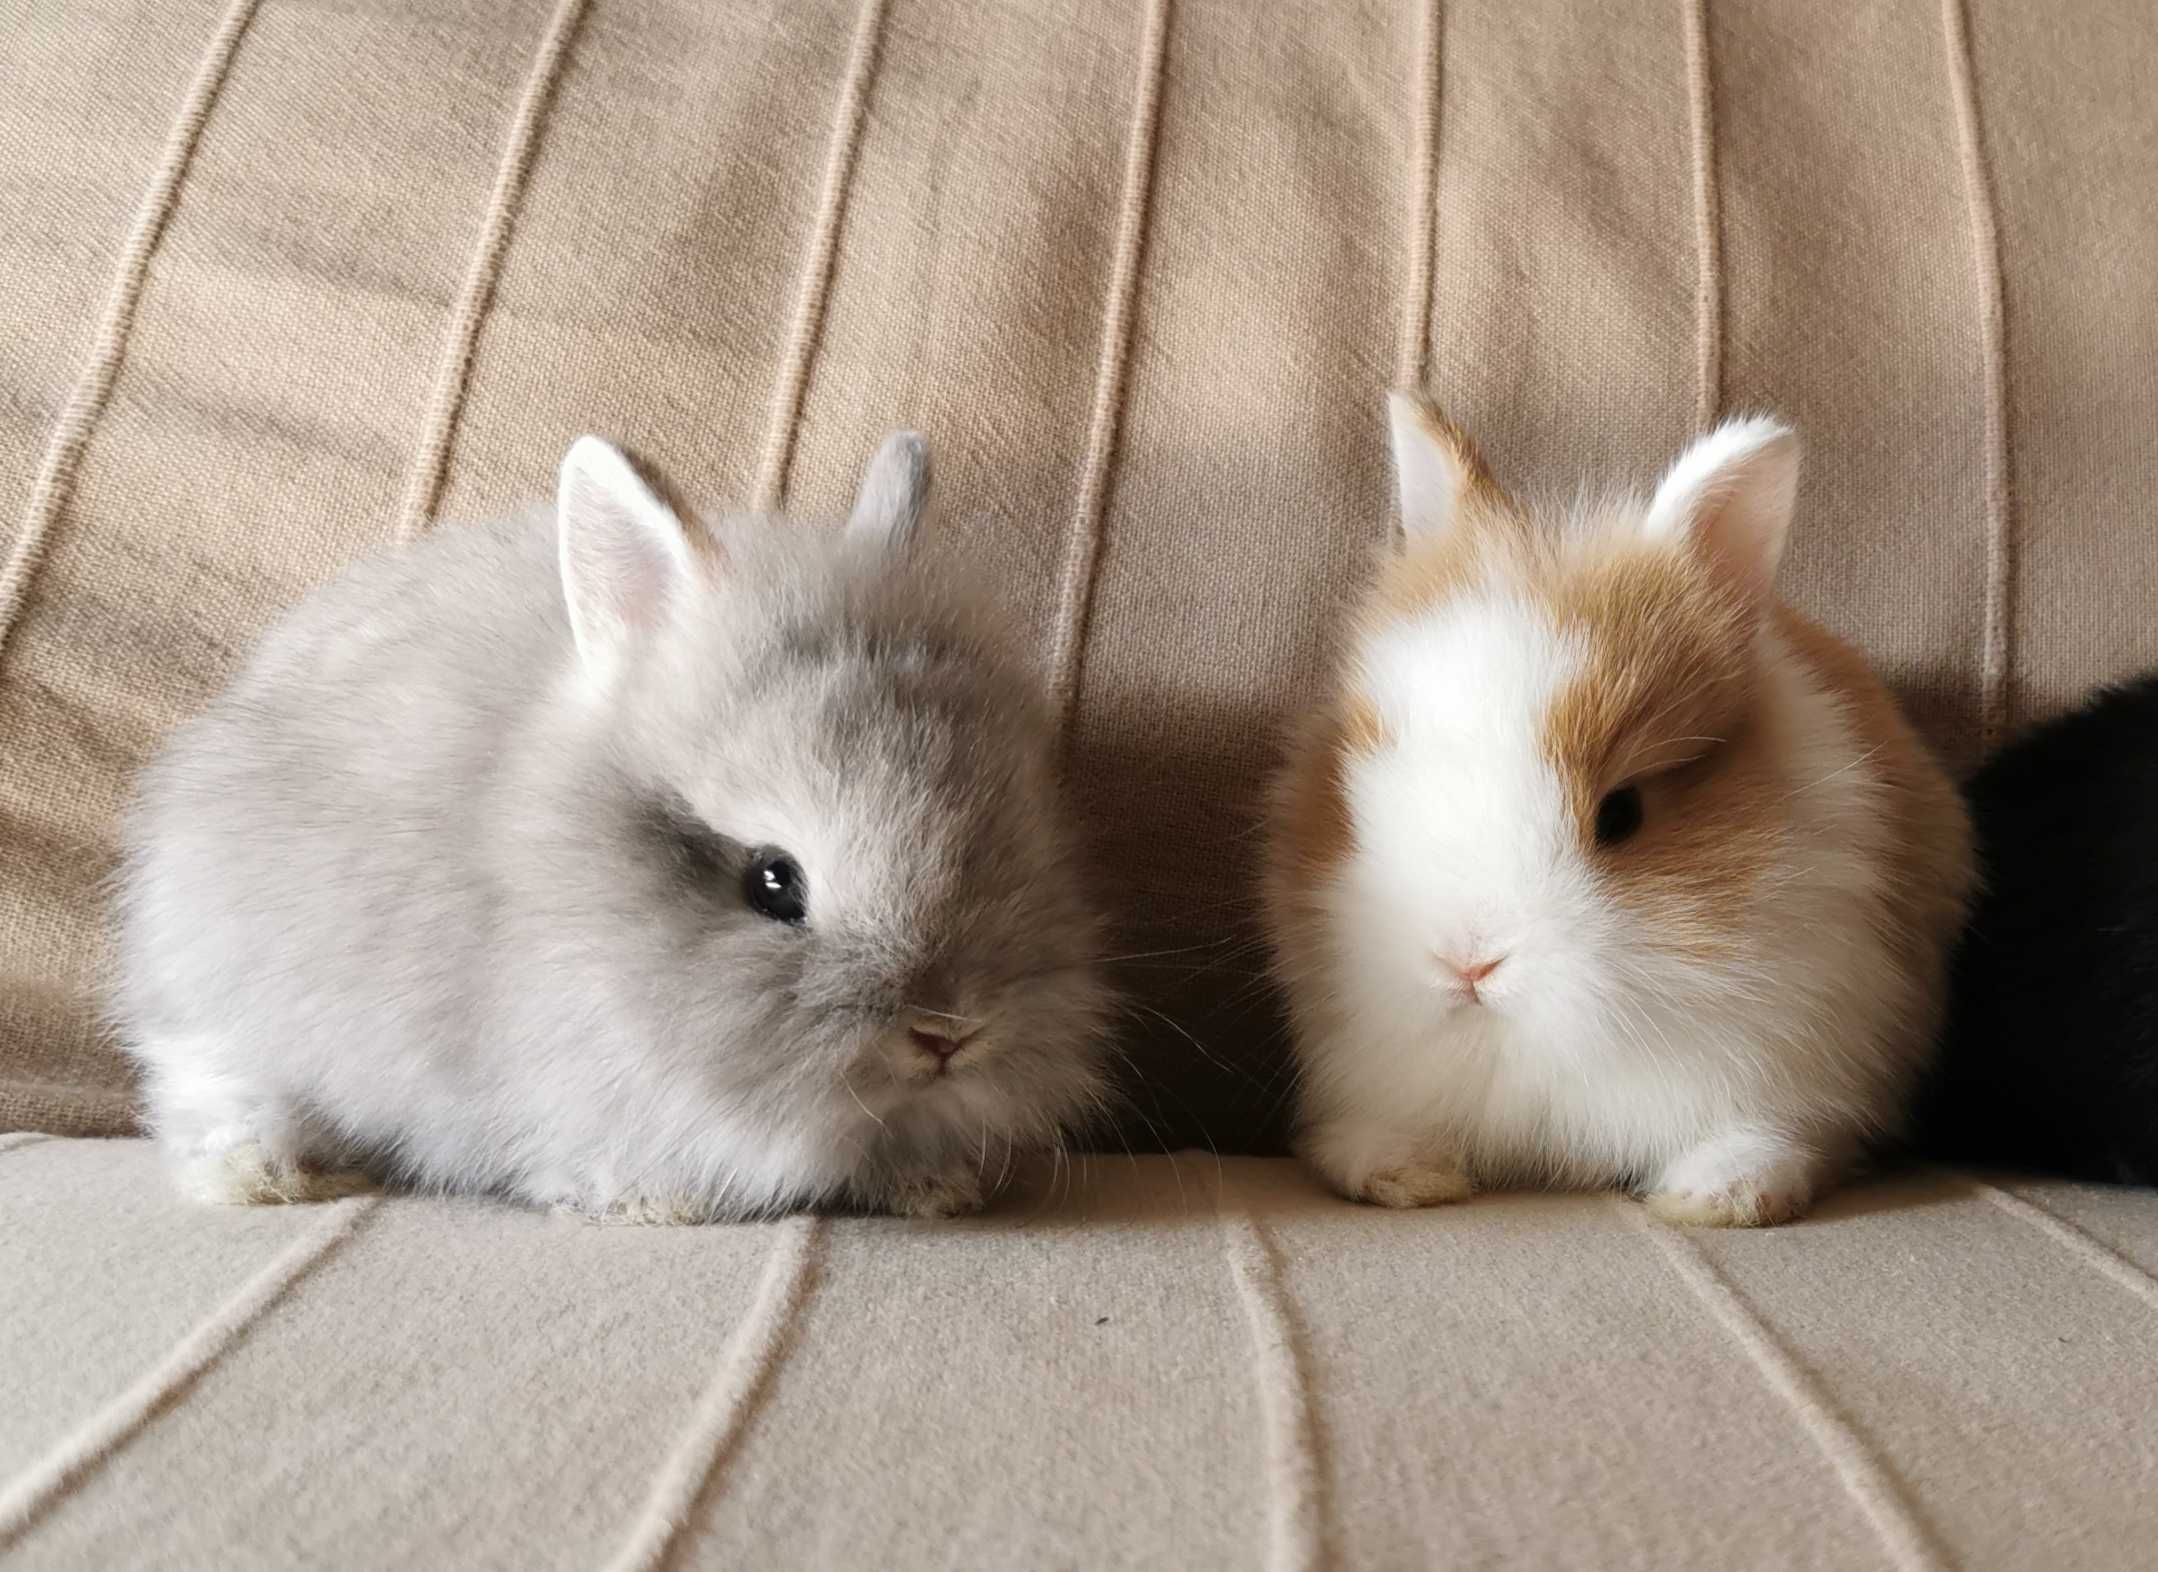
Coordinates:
[2099,1256]
[1295,1489]
[453,378]
[56,1475]
[1414,358]
[723,1412]
[1082,552]
[90,1113]
[1865,1477]
[1707,217]
[806,330]
[1997,648]
[85,405]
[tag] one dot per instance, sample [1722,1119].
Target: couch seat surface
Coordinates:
[1157,1362]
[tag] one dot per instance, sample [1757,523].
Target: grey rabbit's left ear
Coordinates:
[894,492]
[625,557]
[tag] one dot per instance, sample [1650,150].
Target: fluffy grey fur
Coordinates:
[448,887]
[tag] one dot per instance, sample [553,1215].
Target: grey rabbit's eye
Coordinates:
[775,888]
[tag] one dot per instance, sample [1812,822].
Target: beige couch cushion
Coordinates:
[281,283]
[1156,1364]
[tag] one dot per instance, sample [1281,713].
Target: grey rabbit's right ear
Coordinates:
[895,490]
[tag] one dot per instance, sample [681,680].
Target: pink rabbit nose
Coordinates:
[931,1043]
[1470,973]
[939,1036]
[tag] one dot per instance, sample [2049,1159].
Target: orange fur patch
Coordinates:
[1363,732]
[1431,572]
[1311,830]
[1666,703]
[1314,830]
[1934,870]
[1477,486]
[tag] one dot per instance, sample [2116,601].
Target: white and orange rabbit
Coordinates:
[1601,866]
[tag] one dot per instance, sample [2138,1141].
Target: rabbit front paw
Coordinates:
[951,1193]
[1741,1179]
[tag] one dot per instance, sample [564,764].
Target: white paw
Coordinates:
[1383,1162]
[249,1174]
[641,1210]
[1412,1184]
[1740,1204]
[1745,1179]
[954,1194]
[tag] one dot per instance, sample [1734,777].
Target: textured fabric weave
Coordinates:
[283,283]
[1161,1364]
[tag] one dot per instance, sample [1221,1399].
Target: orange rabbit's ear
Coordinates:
[1438,473]
[1729,497]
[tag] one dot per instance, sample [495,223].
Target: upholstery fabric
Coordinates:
[1165,1363]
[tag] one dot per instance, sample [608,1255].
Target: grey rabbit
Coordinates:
[605,860]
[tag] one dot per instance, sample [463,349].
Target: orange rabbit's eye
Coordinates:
[1618,816]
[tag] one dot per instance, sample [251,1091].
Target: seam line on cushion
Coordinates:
[1865,1477]
[1295,1489]
[68,1111]
[805,331]
[475,298]
[1997,650]
[85,405]
[38,1488]
[1423,219]
[724,1410]
[2094,1253]
[1082,551]
[16,1140]
[1707,216]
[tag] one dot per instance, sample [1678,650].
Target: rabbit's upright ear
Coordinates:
[895,491]
[1439,477]
[1729,500]
[625,556]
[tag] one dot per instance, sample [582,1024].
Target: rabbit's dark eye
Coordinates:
[774,887]
[1618,816]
